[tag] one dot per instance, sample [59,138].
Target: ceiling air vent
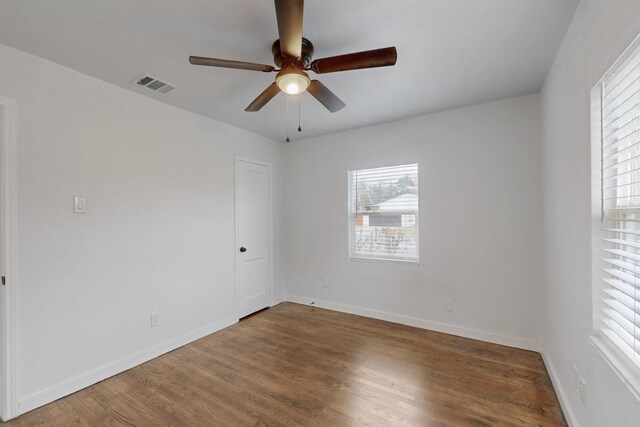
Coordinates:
[154,84]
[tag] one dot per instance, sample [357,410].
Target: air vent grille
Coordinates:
[154,84]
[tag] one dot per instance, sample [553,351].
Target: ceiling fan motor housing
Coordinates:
[285,61]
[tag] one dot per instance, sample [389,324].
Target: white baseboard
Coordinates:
[43,397]
[522,343]
[277,300]
[560,392]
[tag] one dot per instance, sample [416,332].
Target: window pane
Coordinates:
[383,213]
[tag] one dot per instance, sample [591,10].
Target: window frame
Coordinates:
[372,259]
[621,364]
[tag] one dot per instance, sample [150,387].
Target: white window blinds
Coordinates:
[618,302]
[383,213]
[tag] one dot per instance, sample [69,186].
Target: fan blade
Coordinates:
[325,96]
[355,61]
[264,97]
[289,15]
[225,63]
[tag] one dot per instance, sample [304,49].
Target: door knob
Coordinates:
[243,249]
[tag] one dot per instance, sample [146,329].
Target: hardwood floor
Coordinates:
[293,365]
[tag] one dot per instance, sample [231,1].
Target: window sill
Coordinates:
[625,369]
[385,261]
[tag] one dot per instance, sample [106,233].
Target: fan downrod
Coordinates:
[285,61]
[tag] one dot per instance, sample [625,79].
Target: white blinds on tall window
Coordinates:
[383,213]
[619,290]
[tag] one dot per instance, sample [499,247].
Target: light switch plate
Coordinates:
[155,320]
[79,205]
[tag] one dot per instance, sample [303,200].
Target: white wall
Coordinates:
[158,235]
[480,222]
[600,31]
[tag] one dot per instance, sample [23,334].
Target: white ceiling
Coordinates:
[451,53]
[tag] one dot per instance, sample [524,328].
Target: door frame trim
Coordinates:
[239,159]
[8,334]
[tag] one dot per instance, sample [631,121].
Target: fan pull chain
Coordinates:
[299,108]
[287,120]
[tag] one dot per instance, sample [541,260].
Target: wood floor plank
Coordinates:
[294,365]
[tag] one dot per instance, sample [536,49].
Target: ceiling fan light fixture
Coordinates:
[293,82]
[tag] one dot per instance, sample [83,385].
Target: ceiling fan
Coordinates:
[293,54]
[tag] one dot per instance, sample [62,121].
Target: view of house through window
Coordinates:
[383,213]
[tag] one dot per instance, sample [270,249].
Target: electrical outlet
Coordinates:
[79,205]
[155,320]
[325,283]
[582,386]
[448,304]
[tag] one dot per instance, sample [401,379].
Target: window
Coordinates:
[616,172]
[383,213]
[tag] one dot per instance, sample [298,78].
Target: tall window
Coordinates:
[616,118]
[383,213]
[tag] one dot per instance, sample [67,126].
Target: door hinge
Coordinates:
[4,281]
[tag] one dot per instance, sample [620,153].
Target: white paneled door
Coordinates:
[8,173]
[253,235]
[2,291]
